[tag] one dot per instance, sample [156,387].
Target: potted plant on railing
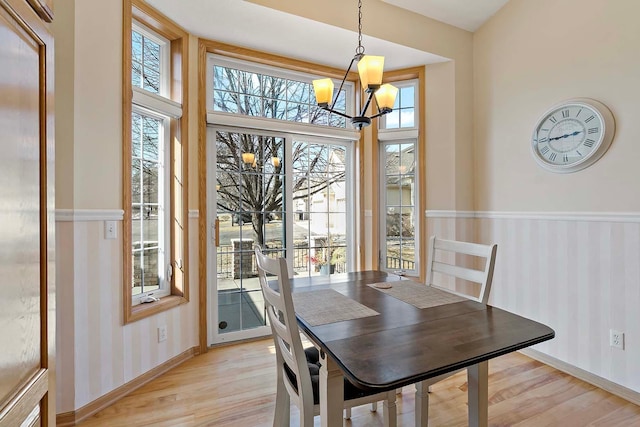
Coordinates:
[322,262]
[338,258]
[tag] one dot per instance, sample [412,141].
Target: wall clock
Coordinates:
[572,135]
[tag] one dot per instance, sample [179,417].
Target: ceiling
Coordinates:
[241,23]
[466,14]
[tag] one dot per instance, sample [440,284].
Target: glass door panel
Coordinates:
[308,224]
[250,211]
[320,201]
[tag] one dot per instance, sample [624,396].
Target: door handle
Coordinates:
[215,232]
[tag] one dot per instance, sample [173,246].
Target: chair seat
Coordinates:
[351,392]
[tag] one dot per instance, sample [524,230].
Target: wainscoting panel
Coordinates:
[99,353]
[577,273]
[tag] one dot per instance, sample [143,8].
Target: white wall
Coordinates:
[578,275]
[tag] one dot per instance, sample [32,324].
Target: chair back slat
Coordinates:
[469,274]
[455,249]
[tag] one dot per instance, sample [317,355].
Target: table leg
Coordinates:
[422,405]
[478,382]
[331,392]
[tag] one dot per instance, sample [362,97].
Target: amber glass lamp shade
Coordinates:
[248,158]
[386,96]
[370,70]
[323,89]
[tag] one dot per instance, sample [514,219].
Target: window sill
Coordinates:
[141,311]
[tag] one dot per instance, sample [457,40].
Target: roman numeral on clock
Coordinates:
[553,119]
[545,139]
[589,143]
[565,158]
[544,150]
[588,119]
[593,130]
[565,114]
[553,156]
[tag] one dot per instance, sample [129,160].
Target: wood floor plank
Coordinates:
[234,386]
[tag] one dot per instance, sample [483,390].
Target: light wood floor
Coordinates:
[234,386]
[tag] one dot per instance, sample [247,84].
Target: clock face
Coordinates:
[572,135]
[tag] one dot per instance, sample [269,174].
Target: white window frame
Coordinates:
[400,135]
[160,107]
[382,121]
[165,53]
[238,120]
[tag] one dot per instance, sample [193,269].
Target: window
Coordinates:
[320,178]
[258,92]
[281,175]
[403,114]
[154,156]
[149,219]
[399,201]
[148,63]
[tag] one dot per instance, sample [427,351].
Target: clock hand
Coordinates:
[566,135]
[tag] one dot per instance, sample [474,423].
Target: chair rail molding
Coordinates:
[68,215]
[633,217]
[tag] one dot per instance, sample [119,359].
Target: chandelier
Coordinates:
[370,71]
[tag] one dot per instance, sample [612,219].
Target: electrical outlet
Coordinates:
[162,333]
[110,230]
[616,339]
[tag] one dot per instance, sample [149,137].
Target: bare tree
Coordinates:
[258,188]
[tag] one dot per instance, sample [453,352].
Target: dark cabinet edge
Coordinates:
[42,9]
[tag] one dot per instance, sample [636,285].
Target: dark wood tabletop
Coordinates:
[404,344]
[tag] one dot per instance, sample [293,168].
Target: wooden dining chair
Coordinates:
[455,267]
[298,369]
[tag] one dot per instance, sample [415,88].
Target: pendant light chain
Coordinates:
[370,71]
[360,48]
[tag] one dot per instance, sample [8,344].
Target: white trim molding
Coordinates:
[449,214]
[194,213]
[620,391]
[89,215]
[633,217]
[277,126]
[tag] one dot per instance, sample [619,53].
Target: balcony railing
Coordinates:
[225,258]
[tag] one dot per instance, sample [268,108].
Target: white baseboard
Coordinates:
[613,388]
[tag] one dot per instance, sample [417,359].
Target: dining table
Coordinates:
[382,332]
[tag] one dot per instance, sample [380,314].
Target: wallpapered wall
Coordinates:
[574,273]
[96,353]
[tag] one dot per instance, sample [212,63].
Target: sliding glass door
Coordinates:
[288,195]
